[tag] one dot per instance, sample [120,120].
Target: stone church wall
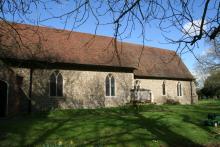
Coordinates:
[86,89]
[9,77]
[81,89]
[155,87]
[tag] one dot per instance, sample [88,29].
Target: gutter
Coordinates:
[163,77]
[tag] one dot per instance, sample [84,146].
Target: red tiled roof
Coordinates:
[53,45]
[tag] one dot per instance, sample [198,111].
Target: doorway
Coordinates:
[3,98]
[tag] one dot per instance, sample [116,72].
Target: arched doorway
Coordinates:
[3,98]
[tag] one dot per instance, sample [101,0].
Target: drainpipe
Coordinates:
[191,92]
[30,90]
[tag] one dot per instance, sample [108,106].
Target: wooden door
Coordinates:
[3,98]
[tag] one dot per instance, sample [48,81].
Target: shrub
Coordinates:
[172,102]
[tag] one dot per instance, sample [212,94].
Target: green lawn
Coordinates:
[165,125]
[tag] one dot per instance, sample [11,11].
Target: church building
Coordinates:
[44,68]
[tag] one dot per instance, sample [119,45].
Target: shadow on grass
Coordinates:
[126,126]
[197,114]
[158,130]
[48,132]
[164,133]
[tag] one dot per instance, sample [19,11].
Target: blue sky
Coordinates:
[152,32]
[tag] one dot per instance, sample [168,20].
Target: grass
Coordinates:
[152,125]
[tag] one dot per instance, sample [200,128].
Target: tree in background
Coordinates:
[210,60]
[211,87]
[208,70]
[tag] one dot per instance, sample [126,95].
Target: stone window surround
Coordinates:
[179,89]
[115,89]
[164,93]
[56,84]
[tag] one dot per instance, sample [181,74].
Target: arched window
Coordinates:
[163,88]
[56,84]
[59,85]
[110,85]
[179,89]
